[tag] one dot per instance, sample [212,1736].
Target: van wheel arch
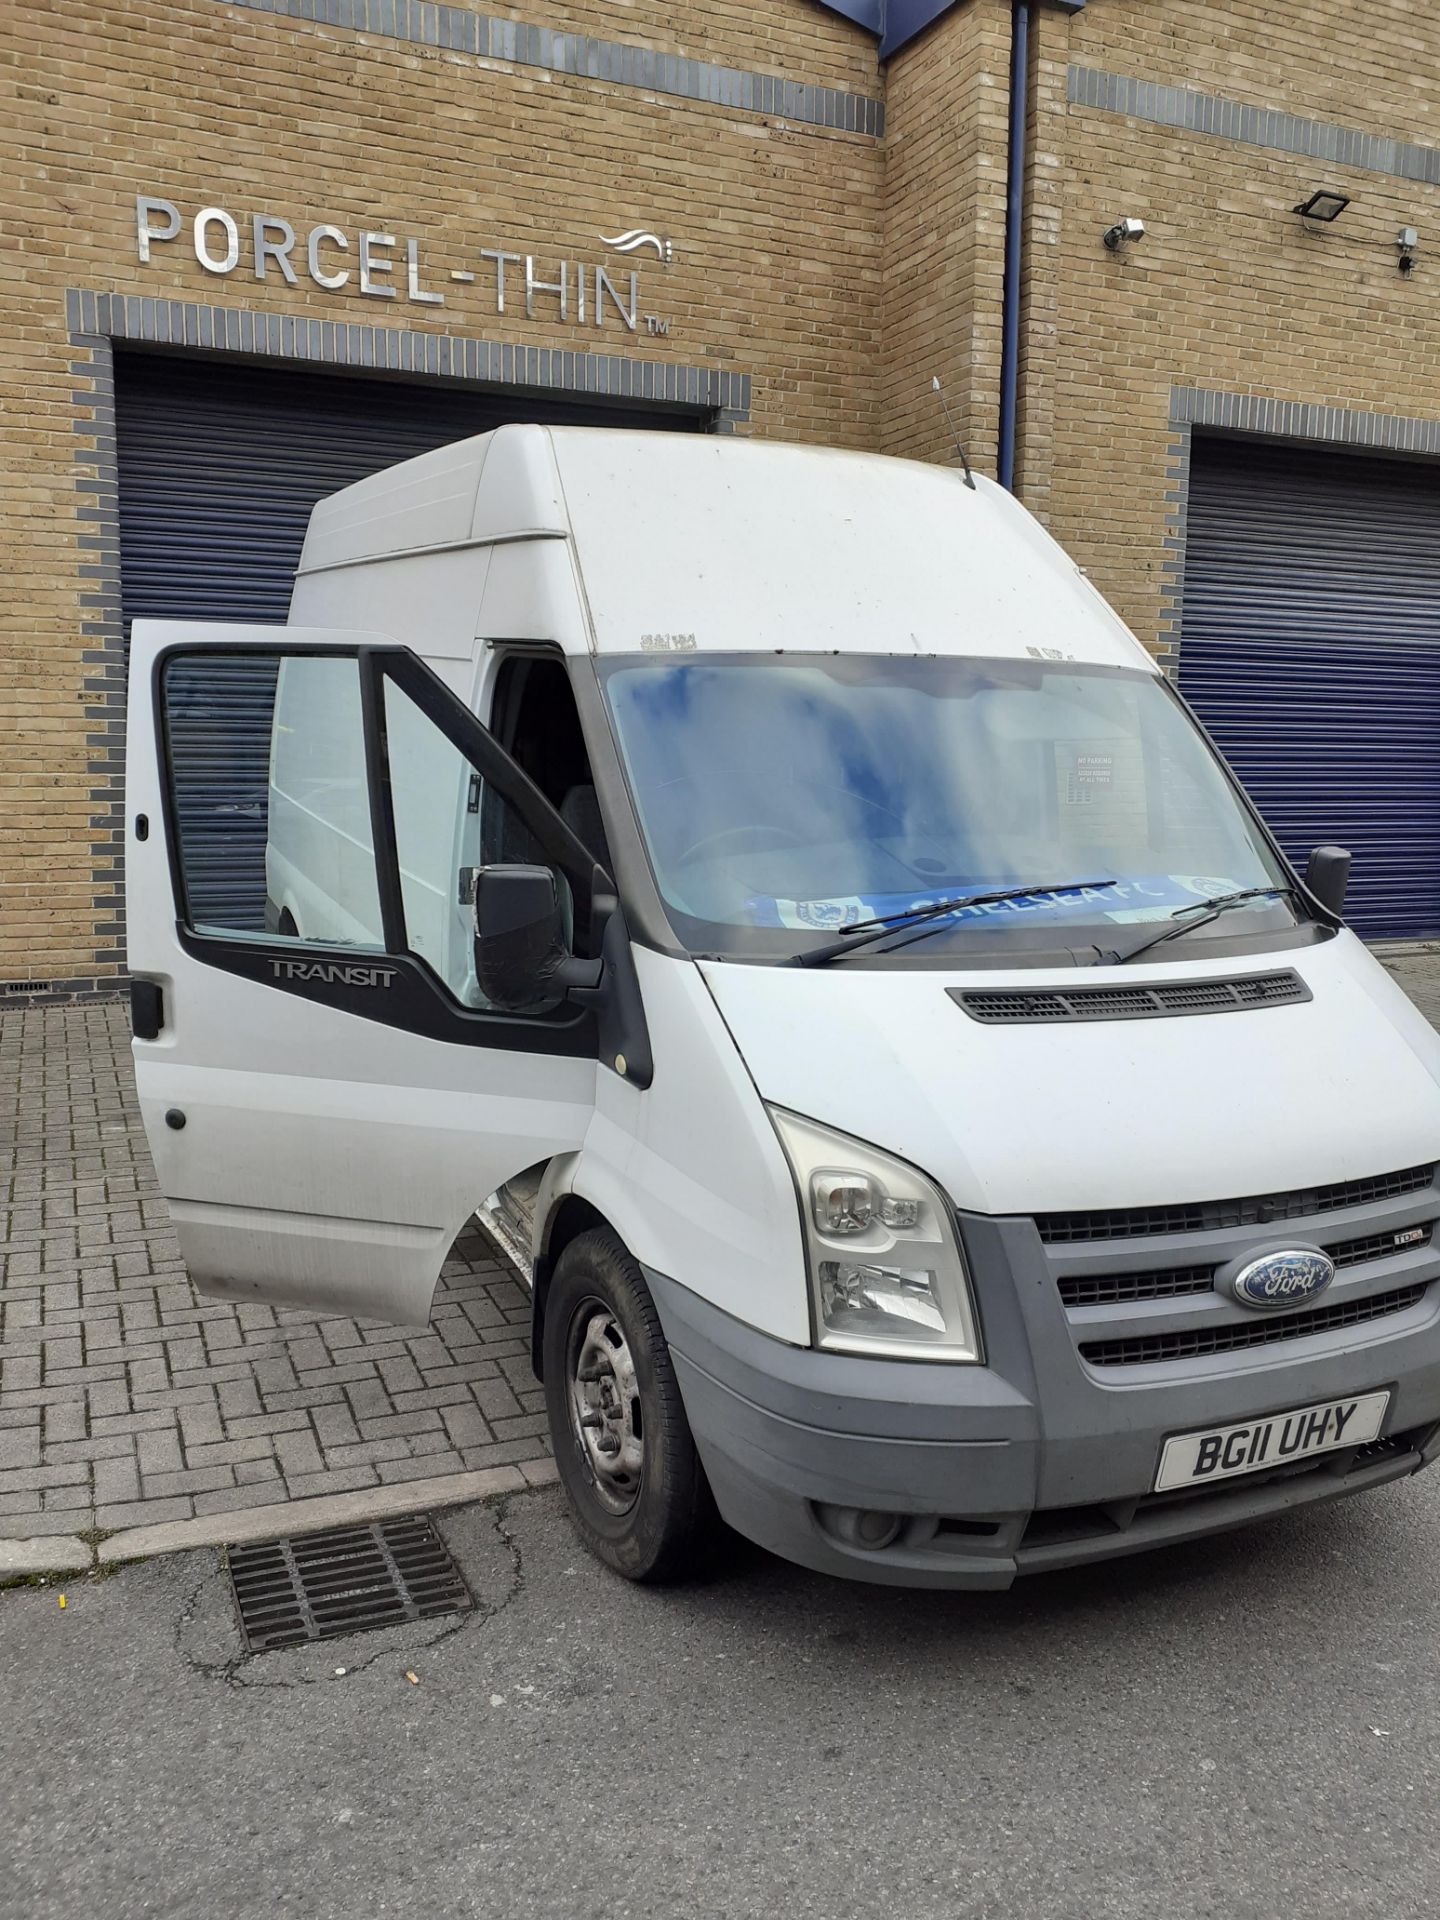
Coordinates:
[626,1457]
[571,1217]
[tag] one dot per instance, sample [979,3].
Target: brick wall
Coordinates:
[796,37]
[1229,291]
[775,218]
[839,269]
[944,233]
[1376,61]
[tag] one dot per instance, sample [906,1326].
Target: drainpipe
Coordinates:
[1014,237]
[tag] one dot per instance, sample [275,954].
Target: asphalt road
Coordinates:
[1248,1727]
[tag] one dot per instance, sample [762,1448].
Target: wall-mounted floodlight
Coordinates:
[1122,233]
[1323,205]
[1407,240]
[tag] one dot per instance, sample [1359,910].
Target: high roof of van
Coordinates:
[720,543]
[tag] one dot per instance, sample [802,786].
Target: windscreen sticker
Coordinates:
[1125,915]
[1198,885]
[1152,897]
[827,916]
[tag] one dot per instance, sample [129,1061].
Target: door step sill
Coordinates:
[502,1232]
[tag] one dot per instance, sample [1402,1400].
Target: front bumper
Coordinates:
[1036,1460]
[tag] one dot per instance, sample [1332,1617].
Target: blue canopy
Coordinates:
[894,22]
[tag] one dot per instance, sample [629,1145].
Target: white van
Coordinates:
[940,1131]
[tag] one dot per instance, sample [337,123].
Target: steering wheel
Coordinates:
[735,839]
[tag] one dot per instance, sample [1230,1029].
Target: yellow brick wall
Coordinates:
[1228,290]
[841,272]
[1367,62]
[946,103]
[777,272]
[796,39]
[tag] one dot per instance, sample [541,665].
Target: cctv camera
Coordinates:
[1123,230]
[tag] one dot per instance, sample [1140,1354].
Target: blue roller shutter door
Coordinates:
[1311,650]
[219,467]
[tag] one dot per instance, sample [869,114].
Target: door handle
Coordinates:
[147,1009]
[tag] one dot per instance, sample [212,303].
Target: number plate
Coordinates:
[1195,1459]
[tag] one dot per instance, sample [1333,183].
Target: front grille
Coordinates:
[1197,1343]
[1113,1289]
[1051,1004]
[320,1585]
[1385,1448]
[1175,1283]
[1379,1246]
[1201,1216]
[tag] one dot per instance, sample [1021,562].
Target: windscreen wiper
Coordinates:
[1208,910]
[864,932]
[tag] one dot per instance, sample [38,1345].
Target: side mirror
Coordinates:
[523,964]
[1327,874]
[521,947]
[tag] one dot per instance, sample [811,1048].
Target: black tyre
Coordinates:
[622,1443]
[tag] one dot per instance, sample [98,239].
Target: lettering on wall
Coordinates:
[388,266]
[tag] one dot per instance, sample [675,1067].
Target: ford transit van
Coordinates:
[942,1135]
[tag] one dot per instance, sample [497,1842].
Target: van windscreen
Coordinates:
[792,795]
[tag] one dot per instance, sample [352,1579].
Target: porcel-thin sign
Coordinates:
[384,266]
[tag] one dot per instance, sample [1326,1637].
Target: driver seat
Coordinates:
[580,810]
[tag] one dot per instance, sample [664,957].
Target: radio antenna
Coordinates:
[969,476]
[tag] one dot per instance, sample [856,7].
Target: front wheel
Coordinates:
[622,1443]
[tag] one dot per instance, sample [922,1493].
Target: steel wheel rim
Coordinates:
[604,1396]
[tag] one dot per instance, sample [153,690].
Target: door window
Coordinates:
[322,799]
[448,821]
[271,801]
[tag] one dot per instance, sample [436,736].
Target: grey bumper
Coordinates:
[1029,1462]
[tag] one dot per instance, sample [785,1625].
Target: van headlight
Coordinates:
[886,1271]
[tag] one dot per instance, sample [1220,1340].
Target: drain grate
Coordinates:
[317,1586]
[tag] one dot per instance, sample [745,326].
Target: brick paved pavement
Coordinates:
[125,1400]
[1418,971]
